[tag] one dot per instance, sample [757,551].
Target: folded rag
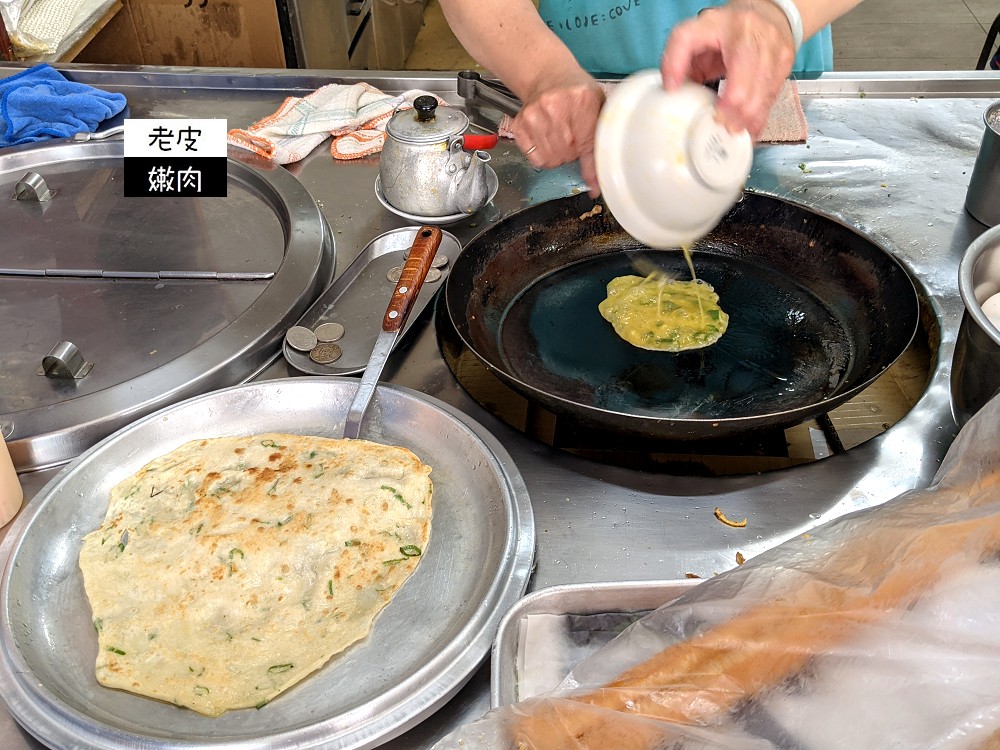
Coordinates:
[355,115]
[40,103]
[786,122]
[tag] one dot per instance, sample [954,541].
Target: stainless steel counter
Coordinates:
[890,154]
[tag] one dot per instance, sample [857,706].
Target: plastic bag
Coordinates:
[877,629]
[12,13]
[45,27]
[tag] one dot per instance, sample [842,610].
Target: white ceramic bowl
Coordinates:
[668,170]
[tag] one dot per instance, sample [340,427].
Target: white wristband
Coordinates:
[791,12]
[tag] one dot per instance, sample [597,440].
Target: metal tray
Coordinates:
[577,599]
[422,648]
[492,181]
[358,298]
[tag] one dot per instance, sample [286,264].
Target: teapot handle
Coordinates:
[472,142]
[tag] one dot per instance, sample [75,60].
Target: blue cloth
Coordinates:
[41,103]
[623,36]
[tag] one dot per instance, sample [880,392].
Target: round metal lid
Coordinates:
[426,123]
[112,307]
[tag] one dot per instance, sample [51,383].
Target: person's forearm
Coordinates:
[509,38]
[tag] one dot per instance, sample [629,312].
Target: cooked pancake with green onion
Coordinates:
[663,314]
[230,569]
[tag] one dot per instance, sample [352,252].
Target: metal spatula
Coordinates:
[418,262]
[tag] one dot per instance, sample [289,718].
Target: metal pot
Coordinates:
[426,168]
[975,377]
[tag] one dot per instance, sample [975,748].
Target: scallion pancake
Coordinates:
[231,568]
[663,314]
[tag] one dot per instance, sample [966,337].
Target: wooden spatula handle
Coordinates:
[422,252]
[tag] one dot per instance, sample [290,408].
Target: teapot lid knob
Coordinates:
[425,106]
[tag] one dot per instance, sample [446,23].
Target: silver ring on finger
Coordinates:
[530,151]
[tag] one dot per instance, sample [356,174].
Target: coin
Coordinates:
[329,332]
[300,338]
[325,354]
[394,273]
[432,275]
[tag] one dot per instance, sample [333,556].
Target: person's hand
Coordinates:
[747,41]
[557,122]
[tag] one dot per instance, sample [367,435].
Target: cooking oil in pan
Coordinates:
[784,348]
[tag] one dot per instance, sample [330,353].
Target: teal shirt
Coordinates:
[622,36]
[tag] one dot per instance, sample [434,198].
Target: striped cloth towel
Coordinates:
[355,115]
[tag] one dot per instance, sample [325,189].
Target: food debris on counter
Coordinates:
[728,521]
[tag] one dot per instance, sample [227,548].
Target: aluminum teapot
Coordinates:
[426,168]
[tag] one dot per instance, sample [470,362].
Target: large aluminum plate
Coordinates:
[423,646]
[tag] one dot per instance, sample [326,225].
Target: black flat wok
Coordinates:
[817,312]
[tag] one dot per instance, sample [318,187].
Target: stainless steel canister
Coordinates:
[983,197]
[975,376]
[11,494]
